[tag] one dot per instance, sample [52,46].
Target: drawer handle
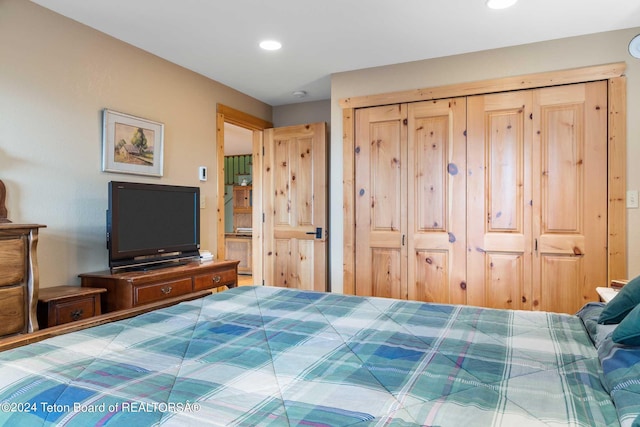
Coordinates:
[76,314]
[216,279]
[166,290]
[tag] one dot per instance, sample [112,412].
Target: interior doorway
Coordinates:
[238,196]
[240,130]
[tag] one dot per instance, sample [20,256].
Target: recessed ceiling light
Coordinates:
[500,4]
[634,46]
[270,45]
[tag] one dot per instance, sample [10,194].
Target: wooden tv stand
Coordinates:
[128,289]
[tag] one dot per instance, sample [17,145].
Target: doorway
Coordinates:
[239,126]
[238,192]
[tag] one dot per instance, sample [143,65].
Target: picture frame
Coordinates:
[131,144]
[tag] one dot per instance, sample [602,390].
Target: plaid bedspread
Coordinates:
[276,357]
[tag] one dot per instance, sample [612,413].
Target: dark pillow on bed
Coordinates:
[621,378]
[628,331]
[627,299]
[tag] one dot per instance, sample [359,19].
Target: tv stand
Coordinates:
[129,289]
[154,266]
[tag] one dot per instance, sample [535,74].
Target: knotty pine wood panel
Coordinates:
[613,74]
[505,170]
[559,287]
[432,143]
[295,203]
[386,272]
[436,198]
[570,220]
[304,156]
[499,198]
[283,169]
[380,156]
[505,280]
[616,178]
[348,202]
[305,257]
[283,276]
[431,276]
[610,72]
[385,177]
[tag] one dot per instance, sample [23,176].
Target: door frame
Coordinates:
[226,114]
[617,147]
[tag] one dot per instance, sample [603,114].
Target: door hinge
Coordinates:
[263,217]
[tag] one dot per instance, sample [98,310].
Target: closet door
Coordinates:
[436,195]
[570,195]
[537,197]
[499,200]
[380,202]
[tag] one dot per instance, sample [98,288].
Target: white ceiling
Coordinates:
[219,39]
[237,140]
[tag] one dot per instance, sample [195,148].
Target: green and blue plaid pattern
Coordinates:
[261,356]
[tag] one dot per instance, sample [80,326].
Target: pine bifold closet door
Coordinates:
[410,167]
[537,197]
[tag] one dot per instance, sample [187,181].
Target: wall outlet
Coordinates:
[203,202]
[632,199]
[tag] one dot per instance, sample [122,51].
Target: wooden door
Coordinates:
[380,202]
[295,207]
[436,198]
[570,195]
[537,197]
[499,200]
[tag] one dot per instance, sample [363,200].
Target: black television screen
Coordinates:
[152,223]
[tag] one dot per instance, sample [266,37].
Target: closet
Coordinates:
[497,200]
[410,181]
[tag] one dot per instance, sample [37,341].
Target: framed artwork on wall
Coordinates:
[131,144]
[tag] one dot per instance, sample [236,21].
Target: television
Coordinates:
[152,225]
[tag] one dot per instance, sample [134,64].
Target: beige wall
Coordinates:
[56,76]
[547,56]
[301,113]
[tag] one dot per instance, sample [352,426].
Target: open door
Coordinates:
[295,207]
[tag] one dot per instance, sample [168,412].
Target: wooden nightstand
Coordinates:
[606,294]
[64,304]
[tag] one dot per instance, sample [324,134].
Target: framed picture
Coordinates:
[131,144]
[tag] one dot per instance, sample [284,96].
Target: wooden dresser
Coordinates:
[18,278]
[63,304]
[128,289]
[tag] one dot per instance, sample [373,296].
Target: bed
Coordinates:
[254,356]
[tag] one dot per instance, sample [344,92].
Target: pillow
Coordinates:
[628,331]
[628,297]
[589,315]
[621,378]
